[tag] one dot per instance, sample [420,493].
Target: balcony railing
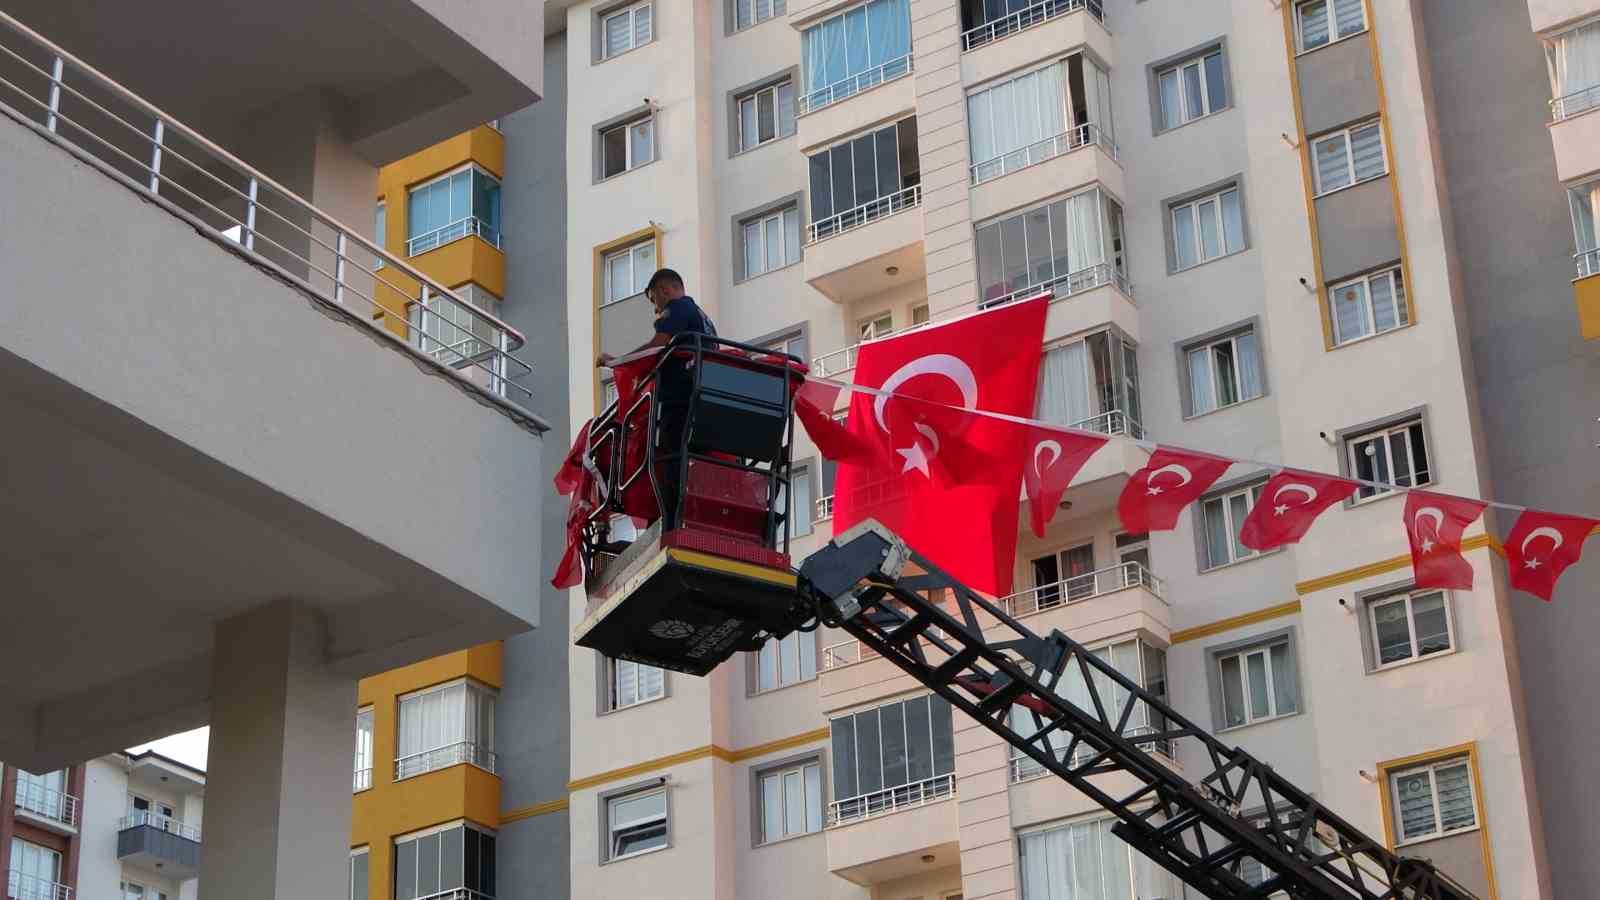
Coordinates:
[871,211]
[1085,279]
[1024,768]
[109,126]
[1083,587]
[160,823]
[20,886]
[824,509]
[458,894]
[48,803]
[1576,102]
[1041,151]
[1588,262]
[468,752]
[362,781]
[1033,15]
[846,653]
[890,800]
[455,231]
[855,84]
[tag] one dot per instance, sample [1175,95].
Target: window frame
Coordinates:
[465,825]
[781,214]
[867,326]
[798,472]
[1464,760]
[758,662]
[626,125]
[608,685]
[1250,487]
[1333,27]
[779,769]
[1409,598]
[483,744]
[609,831]
[350,874]
[739,96]
[1208,343]
[1242,654]
[631,11]
[1177,68]
[1397,288]
[633,262]
[1386,428]
[1193,203]
[1346,136]
[380,231]
[779,9]
[472,197]
[371,746]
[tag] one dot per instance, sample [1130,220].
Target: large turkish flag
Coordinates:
[941,478]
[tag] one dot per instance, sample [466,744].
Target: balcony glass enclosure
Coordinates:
[1066,245]
[864,178]
[1092,383]
[855,50]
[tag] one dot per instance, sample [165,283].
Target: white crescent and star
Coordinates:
[1433,514]
[951,367]
[1293,487]
[1183,473]
[1039,449]
[1556,540]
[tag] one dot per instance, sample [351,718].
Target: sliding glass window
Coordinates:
[1038,115]
[855,50]
[1066,245]
[864,178]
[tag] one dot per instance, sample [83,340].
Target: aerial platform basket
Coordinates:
[718,581]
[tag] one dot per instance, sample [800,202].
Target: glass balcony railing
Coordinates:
[1587,262]
[160,823]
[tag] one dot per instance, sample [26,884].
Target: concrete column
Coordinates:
[948,242]
[277,824]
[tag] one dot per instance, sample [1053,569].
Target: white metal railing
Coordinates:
[458,894]
[889,800]
[160,823]
[846,88]
[1113,422]
[824,509]
[1588,262]
[132,139]
[1082,587]
[21,886]
[871,211]
[1085,279]
[362,781]
[1033,15]
[455,231]
[1576,102]
[469,752]
[1037,152]
[846,653]
[1026,767]
[48,803]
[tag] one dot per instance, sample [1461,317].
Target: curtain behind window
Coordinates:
[1064,385]
[1585,202]
[1578,62]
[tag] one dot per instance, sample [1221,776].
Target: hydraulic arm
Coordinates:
[1207,830]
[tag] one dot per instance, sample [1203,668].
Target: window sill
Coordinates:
[749,278]
[1338,40]
[1254,722]
[1354,184]
[634,855]
[1206,262]
[1409,842]
[622,709]
[787,839]
[1181,125]
[783,687]
[1376,334]
[746,151]
[1222,409]
[1401,664]
[607,179]
[606,59]
[1240,562]
[1354,503]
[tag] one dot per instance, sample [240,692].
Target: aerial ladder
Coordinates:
[719,582]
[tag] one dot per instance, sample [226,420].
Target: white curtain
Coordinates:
[1577,61]
[1585,201]
[1249,356]
[1064,396]
[1017,113]
[1084,245]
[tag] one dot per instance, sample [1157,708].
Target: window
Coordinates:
[45,795]
[800,511]
[1371,304]
[1091,383]
[877,327]
[1142,663]
[1434,800]
[1067,245]
[864,178]
[1083,860]
[457,857]
[1574,61]
[1037,115]
[627,146]
[629,683]
[636,823]
[857,49]
[151,812]
[444,726]
[771,241]
[628,270]
[766,114]
[1223,515]
[785,662]
[380,232]
[1207,228]
[1584,199]
[1066,568]
[919,314]
[1258,683]
[452,333]
[753,12]
[1409,626]
[791,801]
[363,779]
[1224,372]
[1348,157]
[1192,89]
[830,471]
[451,207]
[130,891]
[1319,22]
[625,29]
[358,877]
[35,871]
[1396,454]
[908,745]
[795,345]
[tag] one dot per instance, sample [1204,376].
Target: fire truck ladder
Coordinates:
[1204,830]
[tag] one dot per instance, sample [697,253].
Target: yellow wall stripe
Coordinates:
[538,809]
[712,750]
[1381,566]
[1232,622]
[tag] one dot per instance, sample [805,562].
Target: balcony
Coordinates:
[1083,587]
[471,226]
[1041,151]
[824,509]
[362,780]
[159,844]
[1037,14]
[884,249]
[1035,34]
[215,423]
[882,836]
[839,91]
[465,752]
[1575,133]
[58,810]
[20,886]
[1025,768]
[877,95]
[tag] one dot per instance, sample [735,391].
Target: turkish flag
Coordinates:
[1540,546]
[1434,523]
[1053,459]
[1290,501]
[935,473]
[813,406]
[1171,480]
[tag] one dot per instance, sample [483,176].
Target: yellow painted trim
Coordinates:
[1470,750]
[711,750]
[538,809]
[788,743]
[1394,173]
[597,286]
[1391,564]
[1232,622]
[734,566]
[1304,152]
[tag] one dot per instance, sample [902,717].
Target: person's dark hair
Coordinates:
[665,276]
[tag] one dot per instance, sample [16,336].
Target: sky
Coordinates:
[188,748]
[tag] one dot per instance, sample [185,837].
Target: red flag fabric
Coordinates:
[1434,524]
[1540,546]
[1052,460]
[1290,501]
[813,406]
[627,371]
[939,476]
[1171,480]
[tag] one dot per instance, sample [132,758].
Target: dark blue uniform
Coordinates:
[681,316]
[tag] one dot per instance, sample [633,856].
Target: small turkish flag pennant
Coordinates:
[1290,501]
[1540,546]
[1052,461]
[1434,523]
[1171,480]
